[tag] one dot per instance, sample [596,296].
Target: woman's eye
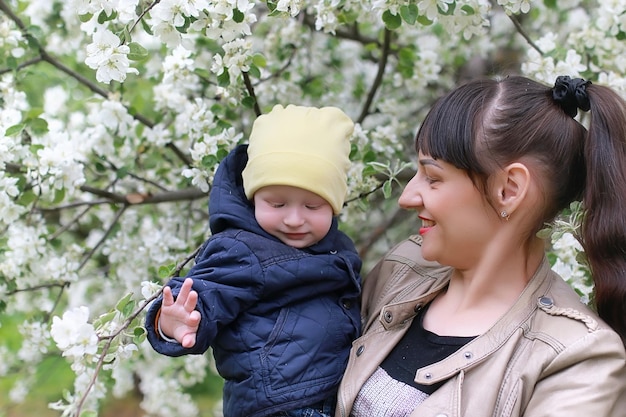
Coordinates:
[431,180]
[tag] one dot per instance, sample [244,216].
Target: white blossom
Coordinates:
[73,334]
[108,57]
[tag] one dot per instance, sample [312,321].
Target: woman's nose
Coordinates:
[411,196]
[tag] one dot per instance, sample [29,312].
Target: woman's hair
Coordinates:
[487,124]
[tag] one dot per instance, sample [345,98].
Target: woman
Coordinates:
[468,319]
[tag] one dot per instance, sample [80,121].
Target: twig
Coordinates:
[522,32]
[250,88]
[110,337]
[22,65]
[143,13]
[382,63]
[69,224]
[104,237]
[39,287]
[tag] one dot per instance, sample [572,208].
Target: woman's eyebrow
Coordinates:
[429,161]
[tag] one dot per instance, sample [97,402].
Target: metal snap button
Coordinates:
[545,301]
[360,350]
[388,316]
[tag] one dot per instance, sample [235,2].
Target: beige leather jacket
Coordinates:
[549,355]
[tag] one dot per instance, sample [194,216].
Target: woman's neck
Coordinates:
[477,297]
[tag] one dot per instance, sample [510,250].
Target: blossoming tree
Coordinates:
[114,115]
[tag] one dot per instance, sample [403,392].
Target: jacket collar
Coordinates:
[481,347]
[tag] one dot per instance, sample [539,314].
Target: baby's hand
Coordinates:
[179,319]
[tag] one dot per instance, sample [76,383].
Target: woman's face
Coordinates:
[457,223]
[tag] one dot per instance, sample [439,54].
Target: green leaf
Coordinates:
[129,308]
[34,112]
[121,304]
[259,60]
[409,13]
[544,233]
[248,102]
[104,319]
[271,5]
[392,21]
[469,10]
[347,17]
[202,73]
[59,195]
[102,17]
[124,36]
[209,161]
[223,79]
[424,21]
[100,168]
[122,172]
[238,16]
[146,27]
[550,4]
[26,198]
[137,52]
[85,17]
[139,335]
[166,271]
[39,126]
[14,130]
[387,189]
[254,71]
[449,11]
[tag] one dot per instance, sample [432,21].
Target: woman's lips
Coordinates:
[427,224]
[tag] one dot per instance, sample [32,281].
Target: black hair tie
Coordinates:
[571,94]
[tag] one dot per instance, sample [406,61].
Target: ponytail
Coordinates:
[604,200]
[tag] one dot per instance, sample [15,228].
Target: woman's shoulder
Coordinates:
[565,319]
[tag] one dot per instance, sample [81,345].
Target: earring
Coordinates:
[504,215]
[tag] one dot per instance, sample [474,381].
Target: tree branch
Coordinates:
[522,32]
[251,93]
[23,65]
[190,193]
[102,239]
[382,63]
[142,15]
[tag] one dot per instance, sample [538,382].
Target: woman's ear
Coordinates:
[512,186]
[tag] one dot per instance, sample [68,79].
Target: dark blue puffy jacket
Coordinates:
[280,320]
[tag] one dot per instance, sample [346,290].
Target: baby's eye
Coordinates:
[277,205]
[313,206]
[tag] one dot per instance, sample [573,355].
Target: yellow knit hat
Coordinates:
[303,147]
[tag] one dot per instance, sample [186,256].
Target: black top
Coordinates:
[419,348]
